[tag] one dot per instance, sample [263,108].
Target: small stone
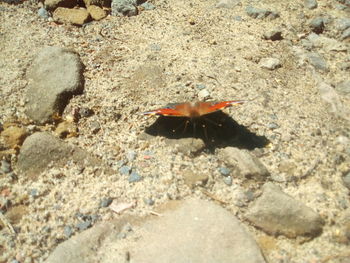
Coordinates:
[68,231]
[203,94]
[343,87]
[346,180]
[260,13]
[155,47]
[105,202]
[310,4]
[148,201]
[228,180]
[42,12]
[124,7]
[273,125]
[346,34]
[225,171]
[84,225]
[278,213]
[134,177]
[273,35]
[270,63]
[317,61]
[66,129]
[14,136]
[200,86]
[247,164]
[34,193]
[148,6]
[96,12]
[125,170]
[131,156]
[193,179]
[71,16]
[342,24]
[95,127]
[187,146]
[5,166]
[317,25]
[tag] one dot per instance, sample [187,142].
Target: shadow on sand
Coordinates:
[217,130]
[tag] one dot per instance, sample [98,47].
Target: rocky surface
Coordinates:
[293,129]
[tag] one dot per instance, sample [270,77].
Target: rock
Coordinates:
[346,34]
[329,44]
[105,202]
[95,127]
[317,25]
[147,6]
[99,3]
[42,12]
[5,166]
[13,136]
[125,170]
[227,3]
[228,180]
[260,13]
[224,171]
[134,177]
[53,4]
[218,235]
[346,180]
[56,74]
[124,7]
[270,63]
[203,95]
[14,214]
[317,61]
[66,129]
[193,179]
[310,4]
[248,165]
[342,24]
[273,35]
[278,213]
[343,87]
[75,16]
[41,149]
[96,12]
[187,146]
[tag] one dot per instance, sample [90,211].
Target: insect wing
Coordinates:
[224,104]
[165,112]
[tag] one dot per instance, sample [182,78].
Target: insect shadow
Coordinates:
[216,129]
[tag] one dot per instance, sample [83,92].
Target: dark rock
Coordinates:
[278,213]
[124,7]
[260,13]
[310,4]
[343,87]
[56,74]
[317,25]
[84,225]
[248,165]
[134,177]
[317,61]
[53,4]
[273,35]
[41,149]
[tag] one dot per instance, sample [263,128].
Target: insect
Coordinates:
[193,110]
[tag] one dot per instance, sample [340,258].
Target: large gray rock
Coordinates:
[190,231]
[55,75]
[278,213]
[246,164]
[124,7]
[41,149]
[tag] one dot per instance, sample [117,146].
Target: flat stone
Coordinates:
[75,16]
[317,61]
[248,165]
[14,136]
[187,146]
[96,12]
[193,179]
[278,213]
[270,63]
[41,148]
[55,75]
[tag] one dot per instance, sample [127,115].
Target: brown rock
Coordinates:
[73,16]
[97,13]
[15,214]
[193,179]
[14,136]
[66,129]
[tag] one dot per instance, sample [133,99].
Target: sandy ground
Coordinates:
[135,64]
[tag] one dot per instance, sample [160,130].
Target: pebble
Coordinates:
[228,180]
[5,166]
[273,125]
[155,47]
[203,94]
[131,156]
[148,6]
[134,177]
[148,201]
[84,225]
[261,13]
[317,61]
[224,171]
[105,202]
[273,35]
[68,231]
[343,87]
[124,8]
[270,63]
[42,12]
[346,180]
[317,25]
[125,170]
[200,86]
[34,192]
[310,4]
[95,127]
